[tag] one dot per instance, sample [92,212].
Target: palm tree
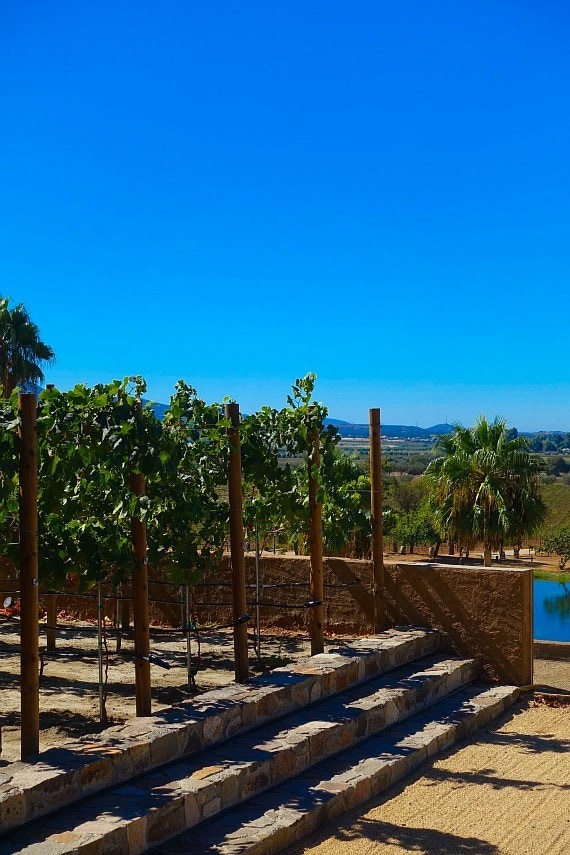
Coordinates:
[22,352]
[485,485]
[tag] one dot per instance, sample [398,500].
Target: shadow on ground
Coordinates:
[427,841]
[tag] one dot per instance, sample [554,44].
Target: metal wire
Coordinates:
[193,628]
[310,604]
[113,598]
[342,584]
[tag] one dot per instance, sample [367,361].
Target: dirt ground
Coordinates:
[536,560]
[69,685]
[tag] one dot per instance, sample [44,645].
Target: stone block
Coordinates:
[381,780]
[360,792]
[136,836]
[322,742]
[192,810]
[230,789]
[105,835]
[234,724]
[316,692]
[212,729]
[300,695]
[13,810]
[255,783]
[139,756]
[287,763]
[164,823]
[54,792]
[165,747]
[336,805]
[211,807]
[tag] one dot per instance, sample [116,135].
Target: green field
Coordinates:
[545,576]
[557,499]
[403,456]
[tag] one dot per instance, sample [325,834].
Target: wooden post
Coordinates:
[241,667]
[189,675]
[51,606]
[29,602]
[119,639]
[100,621]
[376,517]
[316,553]
[125,613]
[140,601]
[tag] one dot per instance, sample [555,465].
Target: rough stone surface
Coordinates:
[552,650]
[282,816]
[91,764]
[163,803]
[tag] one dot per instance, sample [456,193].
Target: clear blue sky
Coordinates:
[237,193]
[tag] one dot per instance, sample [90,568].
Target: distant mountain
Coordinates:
[347,429]
[440,429]
[159,409]
[358,431]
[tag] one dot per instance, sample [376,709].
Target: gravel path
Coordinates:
[505,793]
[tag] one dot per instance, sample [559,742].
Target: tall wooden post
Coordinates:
[140,604]
[316,553]
[29,625]
[140,600]
[241,665]
[51,607]
[125,612]
[100,622]
[376,515]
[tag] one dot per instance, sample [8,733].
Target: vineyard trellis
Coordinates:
[119,488]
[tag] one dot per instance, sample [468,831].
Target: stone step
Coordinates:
[161,804]
[91,764]
[278,818]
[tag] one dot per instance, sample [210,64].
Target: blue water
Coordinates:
[551,610]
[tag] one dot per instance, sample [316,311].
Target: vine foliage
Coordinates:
[90,439]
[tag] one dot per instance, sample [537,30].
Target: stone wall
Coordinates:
[485,612]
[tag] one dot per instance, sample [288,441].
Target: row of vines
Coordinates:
[119,488]
[91,439]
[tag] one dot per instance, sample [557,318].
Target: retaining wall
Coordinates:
[485,612]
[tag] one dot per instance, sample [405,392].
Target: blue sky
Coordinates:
[238,193]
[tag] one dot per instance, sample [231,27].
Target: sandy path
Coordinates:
[506,793]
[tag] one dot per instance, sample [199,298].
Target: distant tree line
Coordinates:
[550,443]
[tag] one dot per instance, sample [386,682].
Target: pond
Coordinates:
[551,610]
